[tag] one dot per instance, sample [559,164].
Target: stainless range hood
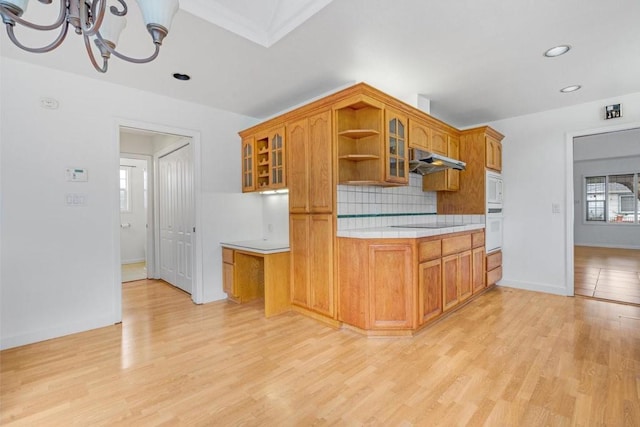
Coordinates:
[424,162]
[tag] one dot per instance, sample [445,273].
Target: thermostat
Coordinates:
[77,175]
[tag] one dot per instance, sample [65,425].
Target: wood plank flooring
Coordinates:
[606,273]
[509,358]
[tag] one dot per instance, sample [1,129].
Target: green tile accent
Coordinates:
[384,215]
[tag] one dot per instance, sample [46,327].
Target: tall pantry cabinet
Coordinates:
[311,227]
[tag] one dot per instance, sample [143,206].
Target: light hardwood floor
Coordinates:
[606,273]
[509,358]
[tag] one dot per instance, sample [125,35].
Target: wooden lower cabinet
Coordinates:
[228,284]
[494,267]
[456,279]
[391,299]
[429,290]
[396,286]
[478,274]
[311,241]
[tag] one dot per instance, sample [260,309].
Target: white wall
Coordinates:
[133,231]
[57,267]
[537,168]
[275,222]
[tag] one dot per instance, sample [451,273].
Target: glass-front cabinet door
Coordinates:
[248,165]
[276,146]
[397,165]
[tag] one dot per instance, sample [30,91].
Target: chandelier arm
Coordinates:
[62,17]
[122,12]
[98,16]
[57,42]
[87,45]
[111,50]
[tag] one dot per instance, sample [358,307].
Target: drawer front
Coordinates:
[429,250]
[454,245]
[477,239]
[494,260]
[227,255]
[494,275]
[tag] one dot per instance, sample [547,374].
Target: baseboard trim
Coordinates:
[56,332]
[536,287]
[132,261]
[601,245]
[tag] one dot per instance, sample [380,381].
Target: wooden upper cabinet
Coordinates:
[439,142]
[297,161]
[321,185]
[493,153]
[396,147]
[419,135]
[263,161]
[447,180]
[248,165]
[309,164]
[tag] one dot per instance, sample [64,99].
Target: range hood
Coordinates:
[424,162]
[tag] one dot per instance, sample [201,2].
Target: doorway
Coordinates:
[135,215]
[606,218]
[152,142]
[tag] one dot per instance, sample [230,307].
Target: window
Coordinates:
[613,198]
[125,193]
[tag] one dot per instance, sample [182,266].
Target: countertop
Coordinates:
[259,246]
[407,231]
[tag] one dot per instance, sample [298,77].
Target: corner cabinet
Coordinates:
[372,143]
[263,161]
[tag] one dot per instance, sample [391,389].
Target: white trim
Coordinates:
[56,332]
[132,261]
[569,194]
[536,287]
[601,245]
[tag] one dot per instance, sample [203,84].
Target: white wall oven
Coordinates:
[493,213]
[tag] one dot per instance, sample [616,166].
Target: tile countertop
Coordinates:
[259,246]
[406,231]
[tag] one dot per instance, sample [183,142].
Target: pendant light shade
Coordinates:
[20,4]
[158,12]
[111,28]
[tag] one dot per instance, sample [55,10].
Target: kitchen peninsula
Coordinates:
[368,248]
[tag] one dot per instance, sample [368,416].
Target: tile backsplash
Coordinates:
[373,206]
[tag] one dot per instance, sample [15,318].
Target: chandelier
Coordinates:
[91,19]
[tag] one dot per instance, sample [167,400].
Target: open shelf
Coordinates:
[358,133]
[359,157]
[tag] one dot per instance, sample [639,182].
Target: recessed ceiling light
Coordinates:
[180,76]
[571,88]
[557,51]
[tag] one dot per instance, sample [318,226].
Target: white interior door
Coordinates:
[176,217]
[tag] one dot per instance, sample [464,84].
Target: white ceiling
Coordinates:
[477,61]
